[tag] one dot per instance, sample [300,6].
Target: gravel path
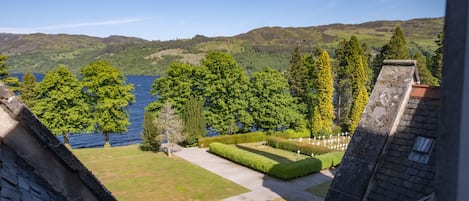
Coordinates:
[263,187]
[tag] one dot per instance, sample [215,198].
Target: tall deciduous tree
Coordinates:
[425,75]
[272,105]
[5,77]
[396,48]
[61,104]
[170,125]
[194,121]
[150,139]
[27,89]
[437,59]
[180,82]
[109,95]
[227,94]
[325,91]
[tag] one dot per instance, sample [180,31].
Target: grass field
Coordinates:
[131,174]
[321,189]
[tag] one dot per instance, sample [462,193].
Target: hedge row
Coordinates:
[233,139]
[289,133]
[274,168]
[308,149]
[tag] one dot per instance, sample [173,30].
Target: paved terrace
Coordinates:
[263,187]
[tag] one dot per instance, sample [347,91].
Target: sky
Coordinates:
[181,19]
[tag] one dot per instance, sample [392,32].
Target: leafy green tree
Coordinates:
[396,48]
[27,89]
[227,94]
[61,104]
[109,95]
[180,82]
[425,75]
[359,103]
[170,125]
[150,139]
[11,82]
[325,91]
[272,105]
[359,82]
[437,59]
[297,75]
[194,121]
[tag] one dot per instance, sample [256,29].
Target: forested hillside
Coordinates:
[254,50]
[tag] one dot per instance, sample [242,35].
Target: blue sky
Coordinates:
[176,19]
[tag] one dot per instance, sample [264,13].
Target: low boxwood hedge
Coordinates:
[233,139]
[308,149]
[274,168]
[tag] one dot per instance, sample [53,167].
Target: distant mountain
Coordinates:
[267,46]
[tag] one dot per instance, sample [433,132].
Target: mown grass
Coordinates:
[131,174]
[279,155]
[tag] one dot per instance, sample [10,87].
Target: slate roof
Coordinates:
[397,177]
[35,163]
[391,154]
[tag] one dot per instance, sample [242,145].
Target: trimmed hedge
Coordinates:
[274,168]
[308,149]
[233,139]
[289,133]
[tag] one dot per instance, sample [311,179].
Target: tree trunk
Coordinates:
[66,140]
[106,140]
[168,137]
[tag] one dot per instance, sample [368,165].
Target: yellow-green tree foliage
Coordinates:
[316,127]
[359,80]
[325,91]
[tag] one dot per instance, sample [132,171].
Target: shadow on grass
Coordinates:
[274,157]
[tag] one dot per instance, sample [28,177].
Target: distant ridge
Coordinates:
[253,50]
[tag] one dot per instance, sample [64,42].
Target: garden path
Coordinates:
[262,186]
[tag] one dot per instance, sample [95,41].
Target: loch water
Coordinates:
[142,85]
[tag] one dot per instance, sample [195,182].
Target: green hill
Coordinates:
[267,46]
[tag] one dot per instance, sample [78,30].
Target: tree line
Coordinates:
[313,95]
[66,104]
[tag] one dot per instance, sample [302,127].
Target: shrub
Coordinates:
[274,168]
[281,143]
[289,133]
[233,139]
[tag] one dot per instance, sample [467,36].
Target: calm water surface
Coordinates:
[142,86]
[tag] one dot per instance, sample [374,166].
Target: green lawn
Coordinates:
[131,174]
[279,155]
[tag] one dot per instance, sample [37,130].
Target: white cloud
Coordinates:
[25,30]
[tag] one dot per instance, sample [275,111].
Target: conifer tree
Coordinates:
[194,121]
[359,81]
[150,139]
[352,78]
[325,91]
[317,123]
[27,89]
[297,75]
[437,59]
[425,75]
[396,48]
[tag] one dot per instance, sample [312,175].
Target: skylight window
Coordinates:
[422,149]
